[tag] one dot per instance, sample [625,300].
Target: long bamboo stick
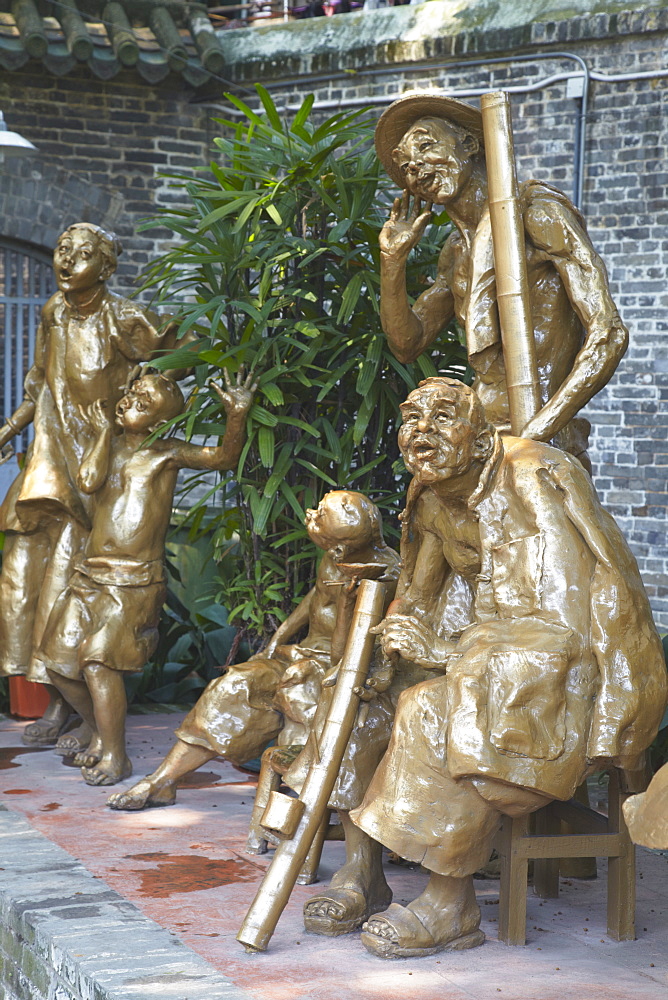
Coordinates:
[512,284]
[276,886]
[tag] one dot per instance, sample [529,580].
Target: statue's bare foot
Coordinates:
[108,771]
[345,906]
[91,755]
[422,928]
[144,794]
[73,742]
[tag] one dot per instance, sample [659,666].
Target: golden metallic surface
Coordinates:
[549,665]
[434,150]
[510,266]
[275,695]
[647,814]
[88,342]
[276,886]
[105,621]
[281,815]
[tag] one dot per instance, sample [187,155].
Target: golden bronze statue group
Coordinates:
[507,652]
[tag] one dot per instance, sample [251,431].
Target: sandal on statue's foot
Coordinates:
[43,732]
[339,910]
[399,933]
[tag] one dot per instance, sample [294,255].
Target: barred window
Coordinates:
[26,283]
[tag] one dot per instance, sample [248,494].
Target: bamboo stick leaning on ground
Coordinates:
[305,813]
[512,284]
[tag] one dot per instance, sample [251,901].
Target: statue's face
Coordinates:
[435,161]
[437,439]
[141,408]
[337,522]
[78,262]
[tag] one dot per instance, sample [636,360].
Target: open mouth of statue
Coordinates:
[426,180]
[65,273]
[424,450]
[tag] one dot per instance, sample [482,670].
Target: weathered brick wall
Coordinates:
[102,147]
[625,197]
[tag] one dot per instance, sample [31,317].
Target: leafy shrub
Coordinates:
[277,269]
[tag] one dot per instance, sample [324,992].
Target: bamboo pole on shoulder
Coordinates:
[512,284]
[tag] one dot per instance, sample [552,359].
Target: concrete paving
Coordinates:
[184,869]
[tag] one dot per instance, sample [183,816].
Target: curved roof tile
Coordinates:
[154,36]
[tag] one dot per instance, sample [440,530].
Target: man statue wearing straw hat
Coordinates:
[432,146]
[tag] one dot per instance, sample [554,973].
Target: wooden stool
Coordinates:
[275,762]
[596,836]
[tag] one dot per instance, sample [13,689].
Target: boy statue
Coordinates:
[105,621]
[276,693]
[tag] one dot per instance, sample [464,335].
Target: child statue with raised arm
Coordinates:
[105,622]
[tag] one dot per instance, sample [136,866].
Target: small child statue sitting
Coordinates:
[275,695]
[105,622]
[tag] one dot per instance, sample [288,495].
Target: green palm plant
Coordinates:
[277,270]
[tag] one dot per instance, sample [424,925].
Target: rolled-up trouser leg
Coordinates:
[234,716]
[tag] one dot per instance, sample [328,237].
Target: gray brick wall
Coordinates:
[102,147]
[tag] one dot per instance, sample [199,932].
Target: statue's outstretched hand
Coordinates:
[236,397]
[404,228]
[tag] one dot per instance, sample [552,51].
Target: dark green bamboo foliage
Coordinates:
[278,260]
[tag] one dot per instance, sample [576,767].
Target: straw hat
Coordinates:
[396,120]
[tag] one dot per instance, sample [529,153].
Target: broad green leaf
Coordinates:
[273,393]
[289,494]
[263,416]
[426,366]
[269,107]
[273,213]
[265,438]
[350,297]
[308,329]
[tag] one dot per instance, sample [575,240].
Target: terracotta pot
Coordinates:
[27,699]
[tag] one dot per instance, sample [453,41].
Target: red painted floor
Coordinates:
[185,867]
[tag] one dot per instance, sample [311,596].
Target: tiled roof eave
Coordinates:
[152,63]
